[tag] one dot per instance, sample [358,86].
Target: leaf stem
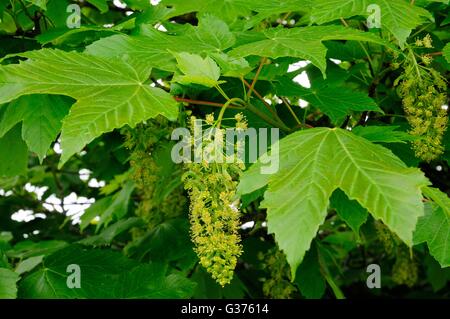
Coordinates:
[255,79]
[206,103]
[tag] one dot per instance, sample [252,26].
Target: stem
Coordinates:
[222,92]
[268,119]
[207,103]
[252,87]
[222,111]
[363,47]
[326,273]
[291,111]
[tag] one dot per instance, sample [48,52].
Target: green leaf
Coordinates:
[118,207]
[28,248]
[108,234]
[383,134]
[149,281]
[397,16]
[315,162]
[8,287]
[335,102]
[29,264]
[232,67]
[7,23]
[98,271]
[103,274]
[101,5]
[349,210]
[437,276]
[153,47]
[197,70]
[110,92]
[168,241]
[434,227]
[309,278]
[39,3]
[41,117]
[95,210]
[13,161]
[302,42]
[446,52]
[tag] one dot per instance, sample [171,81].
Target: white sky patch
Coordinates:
[277,99]
[160,27]
[128,13]
[302,103]
[108,25]
[53,203]
[73,205]
[444,107]
[39,191]
[94,183]
[155,2]
[119,4]
[439,168]
[57,147]
[160,82]
[84,174]
[297,65]
[264,224]
[5,194]
[23,215]
[303,80]
[248,225]
[336,61]
[269,101]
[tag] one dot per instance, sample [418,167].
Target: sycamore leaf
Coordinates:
[8,287]
[154,47]
[229,10]
[335,102]
[101,5]
[109,92]
[397,16]
[108,234]
[41,117]
[28,264]
[39,3]
[446,52]
[434,227]
[349,210]
[315,162]
[309,278]
[383,134]
[118,206]
[104,274]
[302,42]
[197,70]
[13,161]
[232,67]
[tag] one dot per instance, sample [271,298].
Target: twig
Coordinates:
[206,103]
[255,79]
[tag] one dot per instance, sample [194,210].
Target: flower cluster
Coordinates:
[146,172]
[405,270]
[422,90]
[214,212]
[278,285]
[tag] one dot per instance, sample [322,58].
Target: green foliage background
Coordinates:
[350,191]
